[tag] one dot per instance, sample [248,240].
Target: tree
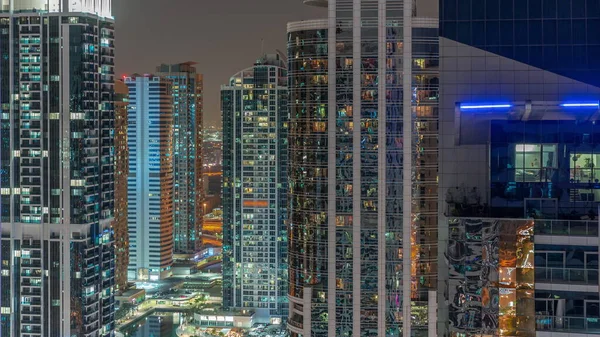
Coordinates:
[124,310]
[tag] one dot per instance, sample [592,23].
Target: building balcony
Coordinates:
[566,227]
[585,325]
[295,327]
[566,275]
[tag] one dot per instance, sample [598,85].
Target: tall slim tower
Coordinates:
[363,171]
[121,173]
[57,168]
[150,179]
[255,117]
[188,193]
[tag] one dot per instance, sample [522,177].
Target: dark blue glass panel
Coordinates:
[593,9]
[593,25]
[448,8]
[464,10]
[578,8]
[549,8]
[478,10]
[535,9]
[530,31]
[521,10]
[492,9]
[506,9]
[550,57]
[506,32]
[564,32]
[521,36]
[565,57]
[550,32]
[580,57]
[564,9]
[579,31]
[535,32]
[464,31]
[449,30]
[536,54]
[594,57]
[492,33]
[478,33]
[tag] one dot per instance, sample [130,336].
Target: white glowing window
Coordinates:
[77,182]
[5,311]
[5,191]
[16,153]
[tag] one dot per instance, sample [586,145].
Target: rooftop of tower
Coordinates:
[102,8]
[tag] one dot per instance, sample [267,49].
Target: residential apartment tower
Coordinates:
[255,117]
[57,168]
[150,179]
[188,192]
[363,171]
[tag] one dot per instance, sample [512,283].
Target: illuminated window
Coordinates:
[535,162]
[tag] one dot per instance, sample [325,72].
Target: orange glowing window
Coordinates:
[256,203]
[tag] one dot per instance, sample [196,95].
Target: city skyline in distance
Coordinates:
[216,34]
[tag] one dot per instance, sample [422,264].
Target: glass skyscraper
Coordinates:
[150,178]
[57,168]
[188,190]
[255,157]
[363,171]
[519,192]
[121,173]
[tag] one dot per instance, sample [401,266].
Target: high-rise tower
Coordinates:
[121,173]
[150,179]
[188,193]
[255,117]
[57,168]
[363,171]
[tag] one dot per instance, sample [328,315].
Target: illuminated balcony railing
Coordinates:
[567,324]
[566,275]
[566,227]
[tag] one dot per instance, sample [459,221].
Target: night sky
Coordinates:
[223,36]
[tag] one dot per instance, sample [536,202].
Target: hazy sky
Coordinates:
[223,36]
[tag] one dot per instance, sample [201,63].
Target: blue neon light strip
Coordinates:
[485,106]
[581,105]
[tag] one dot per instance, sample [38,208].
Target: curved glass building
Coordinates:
[363,171]
[308,173]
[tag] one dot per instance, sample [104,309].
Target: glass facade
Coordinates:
[308,177]
[352,161]
[188,190]
[121,173]
[150,177]
[255,161]
[57,185]
[491,284]
[555,35]
[545,169]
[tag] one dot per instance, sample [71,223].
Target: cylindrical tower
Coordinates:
[363,156]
